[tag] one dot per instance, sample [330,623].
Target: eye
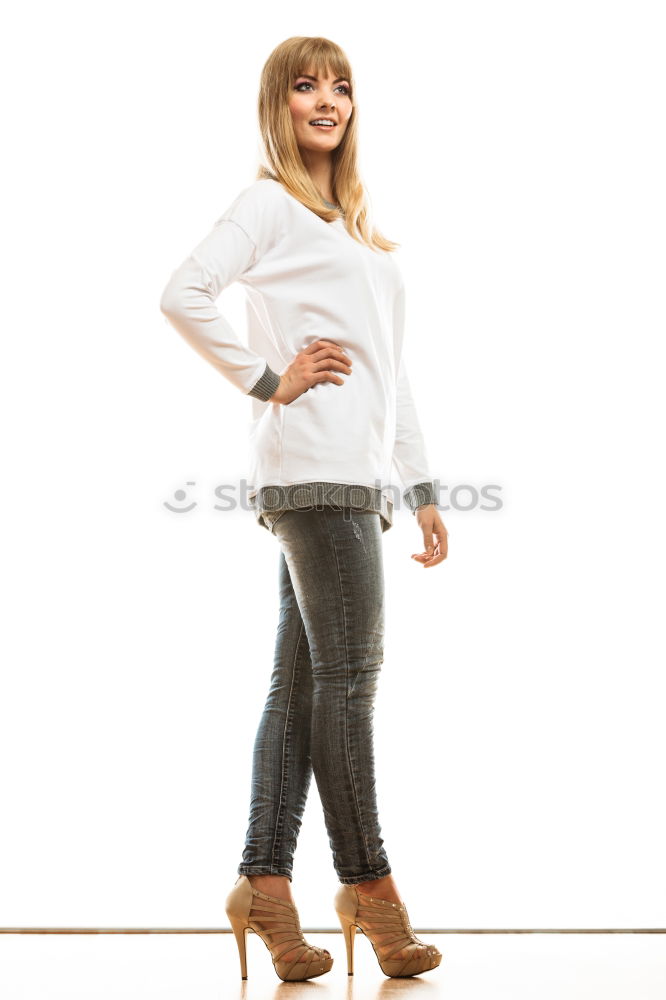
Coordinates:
[306,83]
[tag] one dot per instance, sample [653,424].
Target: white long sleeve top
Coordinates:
[306,280]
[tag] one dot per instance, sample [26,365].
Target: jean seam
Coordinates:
[349,759]
[274,518]
[279,823]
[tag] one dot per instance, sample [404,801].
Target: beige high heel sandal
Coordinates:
[247,908]
[390,922]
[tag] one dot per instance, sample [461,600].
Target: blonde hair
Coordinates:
[283,161]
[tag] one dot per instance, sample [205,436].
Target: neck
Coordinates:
[320,168]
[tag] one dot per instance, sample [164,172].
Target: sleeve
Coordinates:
[409,453]
[250,227]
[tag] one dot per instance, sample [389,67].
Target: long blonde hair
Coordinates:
[286,62]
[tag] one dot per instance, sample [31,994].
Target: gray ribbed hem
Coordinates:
[418,495]
[273,500]
[266,386]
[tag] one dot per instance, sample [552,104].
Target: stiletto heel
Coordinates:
[348,931]
[249,909]
[389,931]
[240,933]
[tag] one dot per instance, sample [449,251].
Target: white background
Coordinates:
[516,151]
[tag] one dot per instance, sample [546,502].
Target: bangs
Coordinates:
[319,58]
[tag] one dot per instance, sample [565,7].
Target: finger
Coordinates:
[442,540]
[330,364]
[316,346]
[430,559]
[442,536]
[433,562]
[328,357]
[438,556]
[328,376]
[319,345]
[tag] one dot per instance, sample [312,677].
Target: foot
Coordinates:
[385,888]
[272,885]
[280,887]
[381,888]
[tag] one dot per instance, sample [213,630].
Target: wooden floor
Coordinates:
[205,967]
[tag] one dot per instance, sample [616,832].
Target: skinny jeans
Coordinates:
[318,714]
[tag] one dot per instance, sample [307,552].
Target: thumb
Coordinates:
[427,539]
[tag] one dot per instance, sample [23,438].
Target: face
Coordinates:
[315,98]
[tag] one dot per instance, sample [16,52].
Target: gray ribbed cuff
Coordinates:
[418,495]
[266,386]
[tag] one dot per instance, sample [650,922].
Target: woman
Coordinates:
[326,311]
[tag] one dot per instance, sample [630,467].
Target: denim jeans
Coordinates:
[318,715]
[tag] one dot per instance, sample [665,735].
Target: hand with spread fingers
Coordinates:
[318,362]
[435,536]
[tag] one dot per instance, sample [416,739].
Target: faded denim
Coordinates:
[318,715]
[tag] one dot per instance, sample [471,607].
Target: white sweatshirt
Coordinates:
[307,279]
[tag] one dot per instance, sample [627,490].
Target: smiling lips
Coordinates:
[318,123]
